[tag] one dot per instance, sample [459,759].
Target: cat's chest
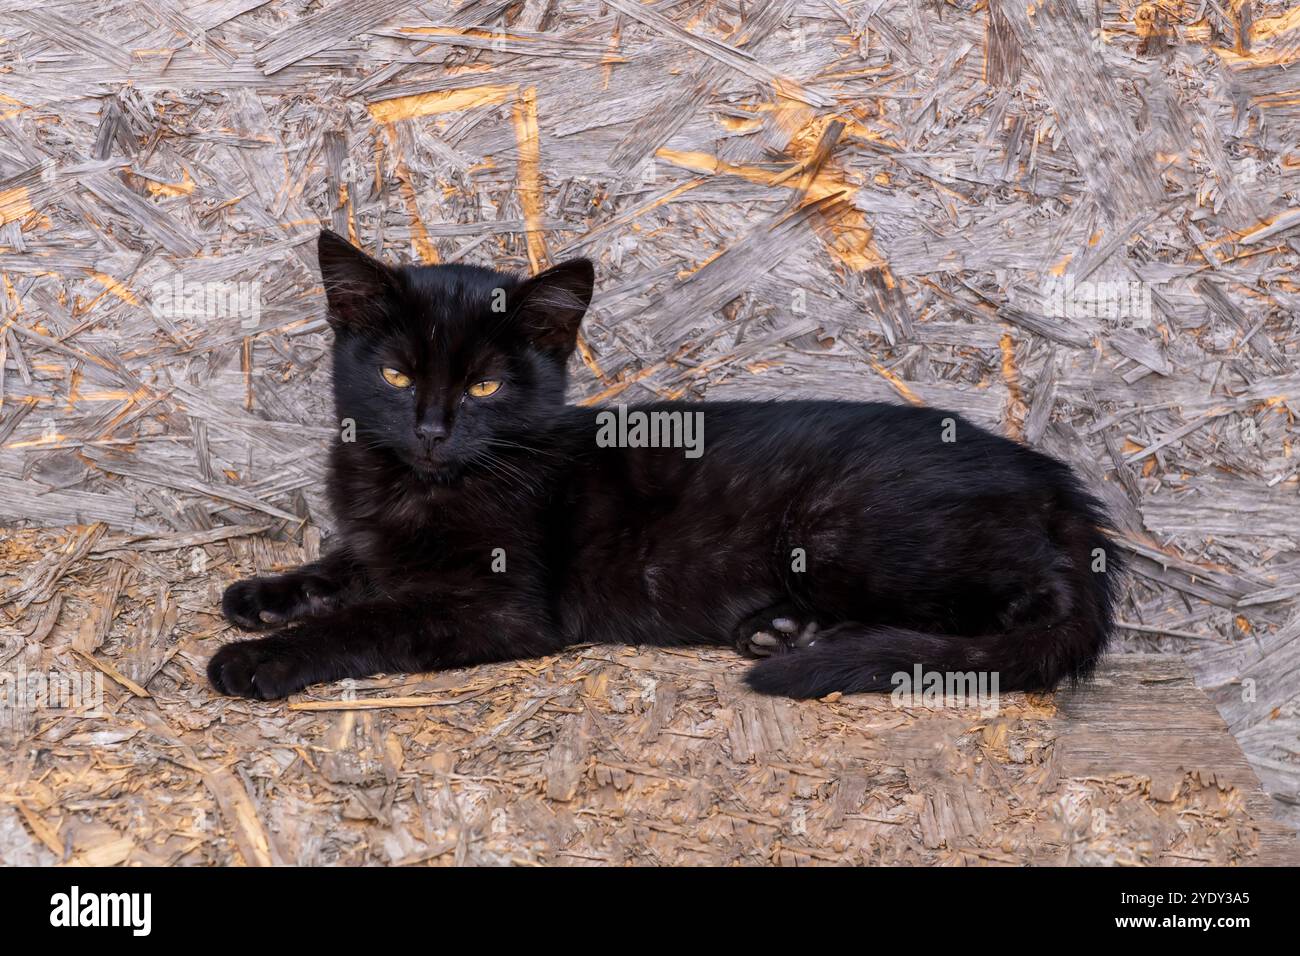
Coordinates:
[441,537]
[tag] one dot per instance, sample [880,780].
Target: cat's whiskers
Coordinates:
[532,449]
[506,470]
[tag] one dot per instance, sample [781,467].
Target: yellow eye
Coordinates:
[484,389]
[395,378]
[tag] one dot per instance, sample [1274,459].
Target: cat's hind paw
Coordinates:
[774,630]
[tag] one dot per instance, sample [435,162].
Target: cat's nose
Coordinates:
[432,432]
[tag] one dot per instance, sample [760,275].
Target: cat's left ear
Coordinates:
[551,304]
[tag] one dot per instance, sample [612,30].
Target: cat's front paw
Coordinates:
[263,670]
[774,630]
[258,603]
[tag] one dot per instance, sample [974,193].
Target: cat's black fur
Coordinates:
[958,555]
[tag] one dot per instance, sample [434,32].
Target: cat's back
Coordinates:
[743,451]
[776,429]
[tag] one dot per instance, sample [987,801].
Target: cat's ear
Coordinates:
[356,284]
[551,304]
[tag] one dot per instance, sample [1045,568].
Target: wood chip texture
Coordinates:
[1077,223]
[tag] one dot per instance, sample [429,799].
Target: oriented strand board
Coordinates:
[913,202]
[598,755]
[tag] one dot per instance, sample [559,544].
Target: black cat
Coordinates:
[482,519]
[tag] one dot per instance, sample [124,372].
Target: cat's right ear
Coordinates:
[356,284]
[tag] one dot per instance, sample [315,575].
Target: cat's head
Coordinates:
[444,367]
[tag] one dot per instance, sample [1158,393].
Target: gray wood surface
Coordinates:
[848,199]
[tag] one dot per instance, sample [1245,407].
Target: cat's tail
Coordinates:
[857,659]
[1066,646]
